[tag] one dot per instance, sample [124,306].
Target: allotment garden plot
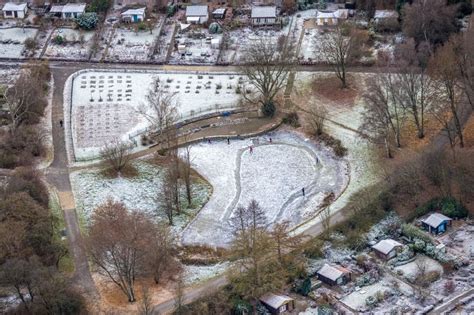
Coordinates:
[104,105]
[273,173]
[12,41]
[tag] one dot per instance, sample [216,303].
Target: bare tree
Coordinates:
[179,296]
[267,68]
[168,195]
[429,21]
[338,46]
[416,88]
[384,116]
[161,108]
[464,46]
[118,243]
[145,303]
[326,221]
[116,154]
[448,129]
[317,118]
[443,69]
[186,171]
[161,256]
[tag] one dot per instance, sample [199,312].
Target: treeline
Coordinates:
[22,139]
[30,246]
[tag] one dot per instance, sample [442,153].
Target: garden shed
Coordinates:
[278,304]
[387,249]
[334,275]
[436,223]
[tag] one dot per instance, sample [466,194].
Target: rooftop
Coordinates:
[74,7]
[386,246]
[264,12]
[332,272]
[383,14]
[196,10]
[139,11]
[10,6]
[275,301]
[435,219]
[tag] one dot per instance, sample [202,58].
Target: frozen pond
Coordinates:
[105,104]
[273,174]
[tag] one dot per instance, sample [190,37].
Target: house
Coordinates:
[334,275]
[387,249]
[219,13]
[197,14]
[436,223]
[329,18]
[68,11]
[133,15]
[261,16]
[14,10]
[278,304]
[385,15]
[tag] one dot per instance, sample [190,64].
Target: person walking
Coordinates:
[251,149]
[61,123]
[228,140]
[270,139]
[302,190]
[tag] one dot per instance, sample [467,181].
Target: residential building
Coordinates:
[15,10]
[387,249]
[266,15]
[133,15]
[278,304]
[334,275]
[197,14]
[436,223]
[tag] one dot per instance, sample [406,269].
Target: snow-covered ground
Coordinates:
[273,174]
[194,274]
[8,75]
[142,193]
[130,45]
[197,50]
[411,269]
[105,104]
[12,41]
[77,44]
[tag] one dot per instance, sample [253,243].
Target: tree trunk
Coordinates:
[387,148]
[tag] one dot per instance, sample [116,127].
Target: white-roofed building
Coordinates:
[387,249]
[277,303]
[14,10]
[328,18]
[133,15]
[436,223]
[334,275]
[266,15]
[197,14]
[73,10]
[219,13]
[382,15]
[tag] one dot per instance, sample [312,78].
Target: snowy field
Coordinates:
[105,104]
[127,44]
[12,39]
[411,270]
[8,75]
[311,46]
[273,174]
[77,44]
[91,189]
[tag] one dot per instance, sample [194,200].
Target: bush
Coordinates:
[29,181]
[87,21]
[447,205]
[292,119]
[100,6]
[21,148]
[412,232]
[58,40]
[141,26]
[30,43]
[335,144]
[268,109]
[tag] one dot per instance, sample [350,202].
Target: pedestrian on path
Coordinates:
[228,140]
[302,190]
[317,160]
[251,149]
[270,139]
[209,141]
[61,123]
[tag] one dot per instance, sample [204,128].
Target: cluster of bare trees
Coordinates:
[428,84]
[127,245]
[262,252]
